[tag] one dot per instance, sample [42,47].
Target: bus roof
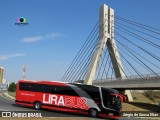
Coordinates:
[44,82]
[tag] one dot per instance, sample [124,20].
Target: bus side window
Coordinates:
[22,86]
[65,90]
[25,86]
[48,89]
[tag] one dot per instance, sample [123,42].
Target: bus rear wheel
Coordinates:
[37,105]
[93,112]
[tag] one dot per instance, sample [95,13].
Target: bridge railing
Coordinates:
[129,78]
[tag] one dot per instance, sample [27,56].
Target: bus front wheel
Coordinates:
[93,112]
[37,105]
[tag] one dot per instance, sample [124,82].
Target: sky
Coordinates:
[55,32]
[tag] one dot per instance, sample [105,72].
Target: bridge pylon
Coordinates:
[1,74]
[106,39]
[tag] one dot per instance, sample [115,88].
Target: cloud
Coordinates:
[6,57]
[40,38]
[54,35]
[32,39]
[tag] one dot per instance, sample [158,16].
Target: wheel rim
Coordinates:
[37,105]
[93,113]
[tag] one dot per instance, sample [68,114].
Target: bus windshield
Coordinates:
[111,101]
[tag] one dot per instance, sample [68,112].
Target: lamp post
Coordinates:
[24,72]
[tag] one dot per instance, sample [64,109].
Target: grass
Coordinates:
[153,95]
[12,93]
[139,97]
[136,106]
[143,98]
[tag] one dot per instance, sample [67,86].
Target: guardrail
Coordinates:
[129,78]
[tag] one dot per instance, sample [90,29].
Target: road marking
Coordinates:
[6,97]
[3,110]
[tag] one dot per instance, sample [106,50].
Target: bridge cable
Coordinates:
[108,69]
[81,50]
[138,54]
[139,25]
[138,73]
[80,55]
[104,67]
[137,30]
[154,56]
[75,69]
[133,53]
[101,64]
[138,37]
[76,62]
[112,73]
[136,58]
[104,71]
[86,63]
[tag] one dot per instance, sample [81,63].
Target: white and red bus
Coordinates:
[70,97]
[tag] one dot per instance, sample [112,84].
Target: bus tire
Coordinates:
[37,105]
[93,112]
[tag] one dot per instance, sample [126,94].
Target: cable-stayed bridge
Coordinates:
[118,53]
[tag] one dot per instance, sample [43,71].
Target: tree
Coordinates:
[79,81]
[12,87]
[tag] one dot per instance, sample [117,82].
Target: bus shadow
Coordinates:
[147,106]
[21,106]
[17,105]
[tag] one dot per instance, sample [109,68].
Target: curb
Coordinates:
[8,96]
[144,118]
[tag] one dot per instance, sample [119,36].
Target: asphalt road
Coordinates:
[9,105]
